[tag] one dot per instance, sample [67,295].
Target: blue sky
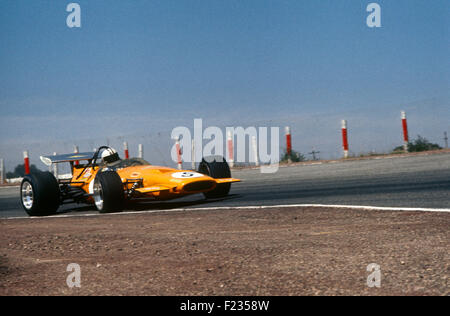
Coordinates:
[138,68]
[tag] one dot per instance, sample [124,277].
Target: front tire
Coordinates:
[216,167]
[40,194]
[108,192]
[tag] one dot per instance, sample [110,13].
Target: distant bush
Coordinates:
[294,156]
[371,154]
[19,171]
[418,145]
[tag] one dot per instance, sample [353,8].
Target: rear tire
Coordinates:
[108,192]
[216,167]
[40,194]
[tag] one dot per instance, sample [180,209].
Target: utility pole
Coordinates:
[446,139]
[313,153]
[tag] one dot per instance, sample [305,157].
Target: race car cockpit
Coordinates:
[111,159]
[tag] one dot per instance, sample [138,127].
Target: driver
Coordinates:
[110,156]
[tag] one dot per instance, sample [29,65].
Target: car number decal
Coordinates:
[185,175]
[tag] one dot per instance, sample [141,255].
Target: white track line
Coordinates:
[357,207]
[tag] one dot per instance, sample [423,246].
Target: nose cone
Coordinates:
[193,182]
[177,182]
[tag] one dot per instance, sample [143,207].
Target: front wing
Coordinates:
[156,190]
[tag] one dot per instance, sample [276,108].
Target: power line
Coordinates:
[313,153]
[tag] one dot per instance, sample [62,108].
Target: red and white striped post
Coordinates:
[76,150]
[405,131]
[2,171]
[55,168]
[193,154]
[178,148]
[26,161]
[230,149]
[125,148]
[288,143]
[345,138]
[255,150]
[141,151]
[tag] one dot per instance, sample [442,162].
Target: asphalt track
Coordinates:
[405,182]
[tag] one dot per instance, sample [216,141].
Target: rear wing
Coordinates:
[49,160]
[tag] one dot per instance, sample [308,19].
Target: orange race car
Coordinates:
[108,182]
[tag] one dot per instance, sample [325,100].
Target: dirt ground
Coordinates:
[293,251]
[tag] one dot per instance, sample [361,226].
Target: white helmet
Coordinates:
[110,155]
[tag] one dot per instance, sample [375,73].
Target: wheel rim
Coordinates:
[27,195]
[98,194]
